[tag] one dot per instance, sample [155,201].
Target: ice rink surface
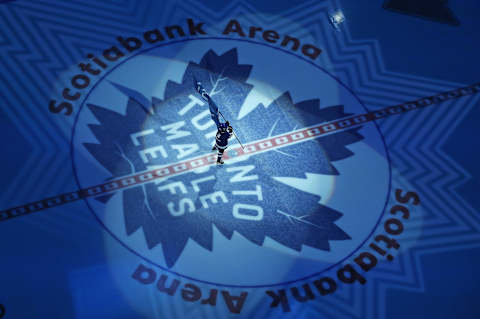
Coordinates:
[348,191]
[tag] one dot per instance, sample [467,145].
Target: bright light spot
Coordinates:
[338,17]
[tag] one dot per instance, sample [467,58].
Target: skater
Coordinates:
[224,130]
[221,140]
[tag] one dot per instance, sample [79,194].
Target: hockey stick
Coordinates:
[232,130]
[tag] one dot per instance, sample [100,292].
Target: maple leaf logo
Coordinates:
[280,184]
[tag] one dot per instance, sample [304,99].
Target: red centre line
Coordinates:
[256,147]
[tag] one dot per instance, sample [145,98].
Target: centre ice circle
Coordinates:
[283,213]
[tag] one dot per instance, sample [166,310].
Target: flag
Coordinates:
[211,105]
[214,112]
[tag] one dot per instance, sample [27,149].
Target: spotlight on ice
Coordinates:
[336,18]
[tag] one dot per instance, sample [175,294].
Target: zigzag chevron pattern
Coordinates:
[359,64]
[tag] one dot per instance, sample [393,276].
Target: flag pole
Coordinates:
[197,86]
